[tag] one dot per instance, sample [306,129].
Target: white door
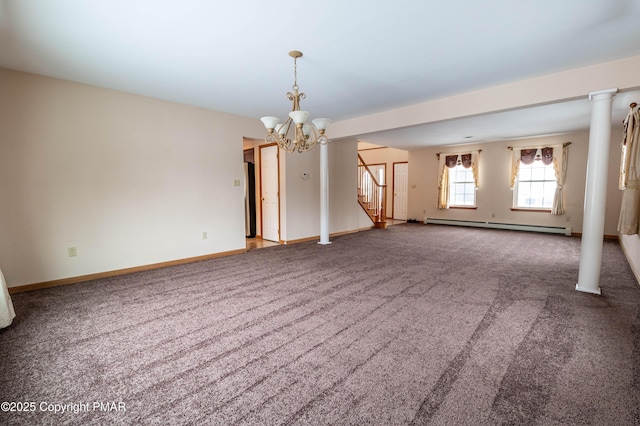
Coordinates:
[269,193]
[400,189]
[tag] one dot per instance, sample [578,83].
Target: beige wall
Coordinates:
[300,213]
[631,247]
[126,179]
[300,198]
[131,181]
[302,207]
[345,212]
[494,197]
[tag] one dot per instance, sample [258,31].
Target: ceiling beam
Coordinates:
[552,88]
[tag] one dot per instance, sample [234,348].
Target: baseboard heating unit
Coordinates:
[495,225]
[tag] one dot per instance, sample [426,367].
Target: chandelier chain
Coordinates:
[295,74]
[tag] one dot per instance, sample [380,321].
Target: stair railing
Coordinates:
[371,194]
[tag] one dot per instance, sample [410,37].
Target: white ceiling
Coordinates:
[360,57]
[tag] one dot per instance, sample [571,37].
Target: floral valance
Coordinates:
[463,159]
[528,156]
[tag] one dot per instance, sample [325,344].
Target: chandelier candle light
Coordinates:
[305,135]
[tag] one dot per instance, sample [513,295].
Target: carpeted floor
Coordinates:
[410,325]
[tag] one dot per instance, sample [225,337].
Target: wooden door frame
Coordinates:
[260,147]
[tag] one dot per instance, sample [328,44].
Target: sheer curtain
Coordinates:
[628,222]
[560,161]
[446,162]
[6,307]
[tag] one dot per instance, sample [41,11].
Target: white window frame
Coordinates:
[551,181]
[453,183]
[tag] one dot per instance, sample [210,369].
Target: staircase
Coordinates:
[372,196]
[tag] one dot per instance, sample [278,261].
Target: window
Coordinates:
[458,180]
[535,186]
[462,191]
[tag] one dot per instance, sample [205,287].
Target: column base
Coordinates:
[324,243]
[588,290]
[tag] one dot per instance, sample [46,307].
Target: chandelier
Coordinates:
[296,134]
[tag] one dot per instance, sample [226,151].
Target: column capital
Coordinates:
[603,94]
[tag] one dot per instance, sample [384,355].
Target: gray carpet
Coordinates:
[410,325]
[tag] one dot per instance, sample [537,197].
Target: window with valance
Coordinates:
[458,180]
[538,176]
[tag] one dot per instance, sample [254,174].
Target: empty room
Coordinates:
[345,213]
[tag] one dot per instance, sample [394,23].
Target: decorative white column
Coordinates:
[324,193]
[595,196]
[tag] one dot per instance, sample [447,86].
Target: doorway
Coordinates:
[270,192]
[249,194]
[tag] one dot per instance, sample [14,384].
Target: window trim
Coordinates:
[533,210]
[472,181]
[514,201]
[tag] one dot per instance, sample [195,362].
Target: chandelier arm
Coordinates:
[306,143]
[283,139]
[295,98]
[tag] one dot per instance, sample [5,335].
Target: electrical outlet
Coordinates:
[72,251]
[204,236]
[236,182]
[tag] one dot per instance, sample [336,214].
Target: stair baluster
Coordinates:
[372,195]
